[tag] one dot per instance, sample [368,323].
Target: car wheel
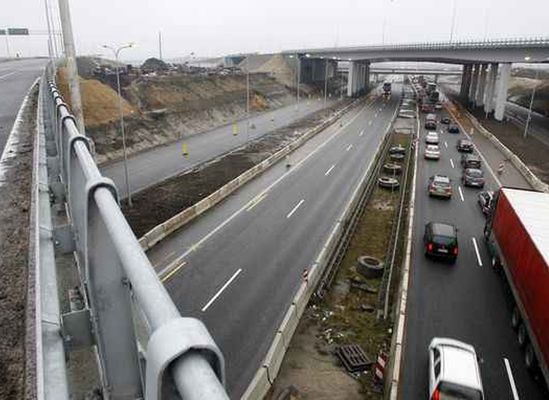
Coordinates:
[515,318]
[530,358]
[522,335]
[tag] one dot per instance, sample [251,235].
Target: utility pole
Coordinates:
[160,45]
[527,125]
[50,38]
[247,97]
[72,70]
[453,21]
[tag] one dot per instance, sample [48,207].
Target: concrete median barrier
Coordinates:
[153,237]
[274,357]
[300,299]
[289,325]
[259,386]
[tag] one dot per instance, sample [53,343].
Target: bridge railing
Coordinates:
[144,348]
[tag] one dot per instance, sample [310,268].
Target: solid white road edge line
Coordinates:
[329,170]
[511,379]
[209,303]
[477,252]
[461,193]
[295,208]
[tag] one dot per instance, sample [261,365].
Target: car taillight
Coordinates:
[436,395]
[430,247]
[455,251]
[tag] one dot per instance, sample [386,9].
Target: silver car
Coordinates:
[454,372]
[431,138]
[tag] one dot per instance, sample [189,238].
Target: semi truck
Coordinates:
[517,237]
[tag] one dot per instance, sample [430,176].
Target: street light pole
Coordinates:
[247,97]
[453,21]
[326,83]
[116,52]
[527,125]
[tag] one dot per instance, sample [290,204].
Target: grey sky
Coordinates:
[212,27]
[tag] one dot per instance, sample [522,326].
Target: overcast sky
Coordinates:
[214,27]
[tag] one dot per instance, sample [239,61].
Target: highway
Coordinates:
[152,166]
[466,301]
[16,76]
[237,267]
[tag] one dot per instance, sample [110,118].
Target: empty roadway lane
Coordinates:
[152,166]
[466,301]
[16,76]
[238,267]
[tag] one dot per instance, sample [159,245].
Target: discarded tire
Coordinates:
[388,182]
[370,267]
[397,150]
[392,168]
[396,157]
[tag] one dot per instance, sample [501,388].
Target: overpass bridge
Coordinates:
[486,65]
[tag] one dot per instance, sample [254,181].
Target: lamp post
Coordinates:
[116,51]
[529,118]
[326,83]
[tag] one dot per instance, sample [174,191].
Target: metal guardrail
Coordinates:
[458,45]
[120,288]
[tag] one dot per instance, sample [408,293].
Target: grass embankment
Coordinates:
[99,101]
[347,314]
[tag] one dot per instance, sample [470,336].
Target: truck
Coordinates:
[387,88]
[517,238]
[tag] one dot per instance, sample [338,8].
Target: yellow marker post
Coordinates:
[235,129]
[184,149]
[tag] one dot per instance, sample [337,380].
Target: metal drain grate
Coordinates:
[354,359]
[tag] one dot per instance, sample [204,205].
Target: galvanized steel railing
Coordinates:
[120,287]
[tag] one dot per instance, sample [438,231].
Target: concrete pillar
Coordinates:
[465,81]
[474,82]
[436,78]
[501,92]
[479,99]
[490,88]
[367,78]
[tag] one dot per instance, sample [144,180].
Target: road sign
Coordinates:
[18,31]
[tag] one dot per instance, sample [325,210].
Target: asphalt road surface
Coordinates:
[238,267]
[466,301]
[150,167]
[16,76]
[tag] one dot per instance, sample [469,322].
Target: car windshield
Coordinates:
[451,391]
[465,143]
[475,173]
[432,148]
[441,180]
[445,240]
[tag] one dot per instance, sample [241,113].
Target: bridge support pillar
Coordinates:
[465,81]
[490,87]
[474,82]
[501,93]
[359,73]
[479,99]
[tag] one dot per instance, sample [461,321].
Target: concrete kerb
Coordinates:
[259,386]
[152,237]
[532,179]
[273,359]
[289,325]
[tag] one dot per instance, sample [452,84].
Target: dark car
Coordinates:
[453,128]
[486,201]
[441,241]
[398,149]
[473,177]
[470,161]
[464,146]
[445,120]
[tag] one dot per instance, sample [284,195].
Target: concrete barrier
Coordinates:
[152,237]
[300,299]
[289,325]
[259,386]
[274,357]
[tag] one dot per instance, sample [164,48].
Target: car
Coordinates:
[473,177]
[438,106]
[453,128]
[431,138]
[432,152]
[427,108]
[486,201]
[440,186]
[464,146]
[441,241]
[398,149]
[454,371]
[445,120]
[470,161]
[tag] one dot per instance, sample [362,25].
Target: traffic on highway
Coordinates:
[459,339]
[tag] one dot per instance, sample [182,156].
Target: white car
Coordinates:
[431,138]
[454,372]
[432,152]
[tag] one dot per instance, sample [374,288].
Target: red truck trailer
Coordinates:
[517,236]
